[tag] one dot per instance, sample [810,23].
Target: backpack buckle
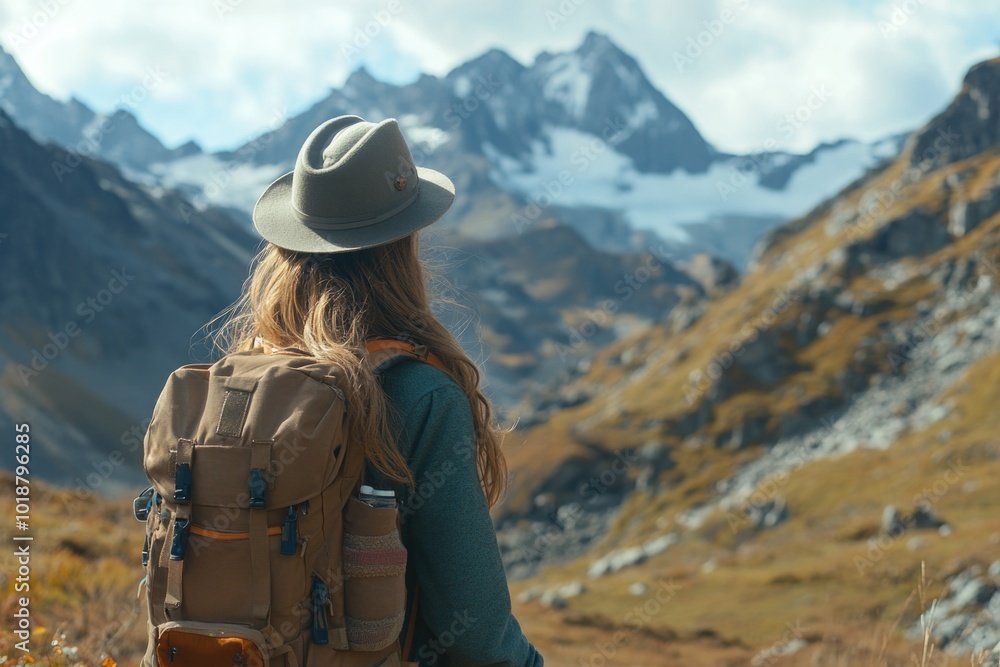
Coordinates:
[180,538]
[258,487]
[182,483]
[143,503]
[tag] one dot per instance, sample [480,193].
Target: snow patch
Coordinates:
[219,182]
[462,86]
[567,84]
[644,112]
[431,137]
[591,173]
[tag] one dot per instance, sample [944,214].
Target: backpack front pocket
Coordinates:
[197,644]
[218,572]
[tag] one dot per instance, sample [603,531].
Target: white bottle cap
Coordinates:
[384,493]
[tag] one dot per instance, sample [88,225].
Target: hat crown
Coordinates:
[354,185]
[351,172]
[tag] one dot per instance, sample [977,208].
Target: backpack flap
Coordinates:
[226,408]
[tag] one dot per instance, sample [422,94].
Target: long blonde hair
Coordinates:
[329,304]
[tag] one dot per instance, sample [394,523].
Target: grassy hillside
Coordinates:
[85,571]
[861,342]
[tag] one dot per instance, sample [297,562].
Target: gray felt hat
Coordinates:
[354,186]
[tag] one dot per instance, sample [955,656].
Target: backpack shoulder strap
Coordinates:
[384,352]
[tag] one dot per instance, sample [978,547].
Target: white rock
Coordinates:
[638,588]
[530,594]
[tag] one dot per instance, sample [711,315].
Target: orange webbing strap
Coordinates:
[418,351]
[412,623]
[227,536]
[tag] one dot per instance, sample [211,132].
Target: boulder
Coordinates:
[629,556]
[769,514]
[921,518]
[916,233]
[556,597]
[964,216]
[638,588]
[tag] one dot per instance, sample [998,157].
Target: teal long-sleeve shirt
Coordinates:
[464,613]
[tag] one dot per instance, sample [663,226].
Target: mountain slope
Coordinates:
[116,137]
[103,285]
[808,437]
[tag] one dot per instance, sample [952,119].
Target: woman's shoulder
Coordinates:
[409,381]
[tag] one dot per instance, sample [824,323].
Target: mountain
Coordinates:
[808,441]
[116,137]
[103,287]
[544,301]
[107,283]
[582,136]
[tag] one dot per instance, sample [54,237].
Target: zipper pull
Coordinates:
[320,628]
[288,541]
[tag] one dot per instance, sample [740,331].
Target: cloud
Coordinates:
[233,64]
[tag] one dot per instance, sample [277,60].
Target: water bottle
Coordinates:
[378,498]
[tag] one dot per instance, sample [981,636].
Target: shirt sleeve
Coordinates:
[464,600]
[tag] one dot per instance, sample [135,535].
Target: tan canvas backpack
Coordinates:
[259,552]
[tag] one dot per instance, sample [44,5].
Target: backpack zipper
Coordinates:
[289,527]
[320,628]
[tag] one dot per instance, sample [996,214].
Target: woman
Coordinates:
[342,268]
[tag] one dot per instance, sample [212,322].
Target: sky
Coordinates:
[222,71]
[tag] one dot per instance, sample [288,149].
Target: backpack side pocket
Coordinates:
[374,575]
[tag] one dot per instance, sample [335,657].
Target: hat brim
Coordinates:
[274,219]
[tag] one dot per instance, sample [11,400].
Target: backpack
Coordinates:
[258,550]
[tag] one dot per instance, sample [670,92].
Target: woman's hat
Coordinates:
[354,186]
